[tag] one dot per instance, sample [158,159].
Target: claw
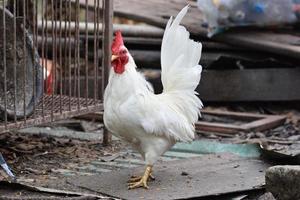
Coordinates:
[138,178]
[141,183]
[136,181]
[151,177]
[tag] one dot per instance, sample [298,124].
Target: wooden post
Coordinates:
[107,8]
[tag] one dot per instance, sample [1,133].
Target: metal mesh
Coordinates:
[51,57]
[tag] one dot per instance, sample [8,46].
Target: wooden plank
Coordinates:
[265,123]
[151,59]
[218,127]
[243,85]
[250,85]
[145,58]
[235,115]
[157,12]
[98,116]
[257,122]
[282,43]
[154,12]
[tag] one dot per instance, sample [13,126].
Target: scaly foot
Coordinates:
[136,182]
[138,178]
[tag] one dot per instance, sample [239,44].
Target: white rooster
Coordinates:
[154,123]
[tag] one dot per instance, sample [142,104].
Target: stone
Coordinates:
[266,196]
[283,181]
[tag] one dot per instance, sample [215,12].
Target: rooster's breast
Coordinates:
[117,119]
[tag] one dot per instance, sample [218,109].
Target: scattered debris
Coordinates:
[50,154]
[183,173]
[20,191]
[246,122]
[259,196]
[111,157]
[282,154]
[62,133]
[8,174]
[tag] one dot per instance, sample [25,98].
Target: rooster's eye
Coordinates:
[123,52]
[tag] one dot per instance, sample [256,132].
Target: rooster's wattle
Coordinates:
[154,123]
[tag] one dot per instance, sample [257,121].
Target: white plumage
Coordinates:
[154,123]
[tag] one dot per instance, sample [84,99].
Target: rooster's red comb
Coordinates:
[118,42]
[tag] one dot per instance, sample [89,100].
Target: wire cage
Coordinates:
[51,53]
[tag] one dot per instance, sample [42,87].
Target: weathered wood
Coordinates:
[97,116]
[244,85]
[257,122]
[218,128]
[250,85]
[236,115]
[157,12]
[143,42]
[253,122]
[236,85]
[224,59]
[150,43]
[151,59]
[286,44]
[265,123]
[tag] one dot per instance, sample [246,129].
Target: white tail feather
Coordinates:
[180,70]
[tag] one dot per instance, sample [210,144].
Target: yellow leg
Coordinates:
[136,182]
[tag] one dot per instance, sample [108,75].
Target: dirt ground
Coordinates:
[38,160]
[46,161]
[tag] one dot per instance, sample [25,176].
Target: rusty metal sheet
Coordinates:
[203,176]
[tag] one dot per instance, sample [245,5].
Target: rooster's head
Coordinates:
[120,55]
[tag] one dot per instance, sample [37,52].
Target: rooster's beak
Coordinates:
[114,57]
